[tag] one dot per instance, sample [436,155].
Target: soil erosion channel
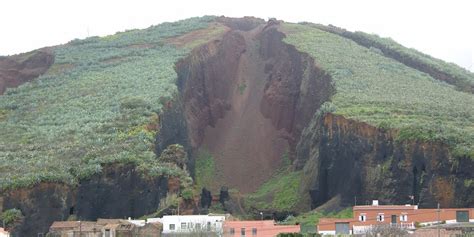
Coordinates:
[247,97]
[247,148]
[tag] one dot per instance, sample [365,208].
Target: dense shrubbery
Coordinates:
[102,108]
[383,92]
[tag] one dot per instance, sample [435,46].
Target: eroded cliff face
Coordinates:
[118,192]
[18,69]
[350,160]
[246,99]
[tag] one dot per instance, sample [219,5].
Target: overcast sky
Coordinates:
[443,29]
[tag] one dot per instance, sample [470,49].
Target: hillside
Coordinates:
[275,111]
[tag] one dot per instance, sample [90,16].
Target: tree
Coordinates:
[175,154]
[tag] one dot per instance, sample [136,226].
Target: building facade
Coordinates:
[267,228]
[187,224]
[402,216]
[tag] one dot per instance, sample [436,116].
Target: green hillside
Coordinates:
[383,92]
[98,103]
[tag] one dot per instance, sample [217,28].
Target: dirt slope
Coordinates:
[18,69]
[246,99]
[246,146]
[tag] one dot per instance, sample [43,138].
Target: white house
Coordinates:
[193,223]
[4,233]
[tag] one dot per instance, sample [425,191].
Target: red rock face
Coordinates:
[18,69]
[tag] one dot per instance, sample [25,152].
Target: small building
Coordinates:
[267,228]
[105,228]
[75,228]
[402,216]
[187,224]
[4,233]
[151,229]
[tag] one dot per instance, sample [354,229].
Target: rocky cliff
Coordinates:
[118,192]
[356,162]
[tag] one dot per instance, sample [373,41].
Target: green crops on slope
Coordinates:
[95,105]
[385,93]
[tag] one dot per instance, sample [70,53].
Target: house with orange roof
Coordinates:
[407,217]
[264,228]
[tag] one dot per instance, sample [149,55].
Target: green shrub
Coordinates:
[11,216]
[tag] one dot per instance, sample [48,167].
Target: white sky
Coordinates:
[444,29]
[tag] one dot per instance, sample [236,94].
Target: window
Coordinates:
[380,217]
[183,225]
[403,217]
[172,226]
[107,233]
[198,226]
[254,231]
[242,231]
[363,217]
[462,216]
[190,225]
[232,231]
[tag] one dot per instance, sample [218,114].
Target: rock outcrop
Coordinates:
[354,161]
[118,192]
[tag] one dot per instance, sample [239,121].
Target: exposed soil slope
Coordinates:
[247,98]
[18,69]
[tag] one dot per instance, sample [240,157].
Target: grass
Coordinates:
[312,217]
[205,169]
[463,79]
[279,193]
[103,109]
[385,93]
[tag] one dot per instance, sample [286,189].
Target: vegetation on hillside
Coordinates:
[99,103]
[280,193]
[312,217]
[11,218]
[460,77]
[385,93]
